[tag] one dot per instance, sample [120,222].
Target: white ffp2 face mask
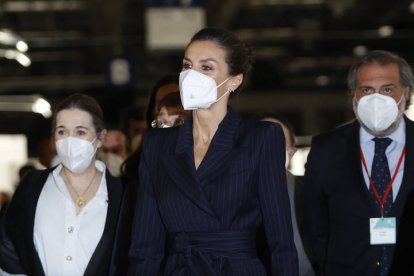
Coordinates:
[198,90]
[378,112]
[75,154]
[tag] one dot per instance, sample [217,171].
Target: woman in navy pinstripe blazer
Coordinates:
[208,185]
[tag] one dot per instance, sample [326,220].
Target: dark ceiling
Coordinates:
[300,46]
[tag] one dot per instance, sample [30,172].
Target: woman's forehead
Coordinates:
[205,50]
[73,117]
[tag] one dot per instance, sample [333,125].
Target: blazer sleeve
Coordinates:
[315,212]
[148,232]
[274,203]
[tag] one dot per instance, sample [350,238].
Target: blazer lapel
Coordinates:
[99,262]
[356,168]
[39,181]
[223,148]
[181,168]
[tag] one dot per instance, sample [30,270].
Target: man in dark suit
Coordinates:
[358,176]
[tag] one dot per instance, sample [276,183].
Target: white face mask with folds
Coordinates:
[378,112]
[198,90]
[75,154]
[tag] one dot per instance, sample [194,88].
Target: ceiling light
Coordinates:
[25,103]
[22,46]
[21,58]
[360,50]
[42,106]
[411,7]
[322,80]
[385,31]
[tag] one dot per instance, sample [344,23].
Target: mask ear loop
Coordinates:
[402,96]
[227,92]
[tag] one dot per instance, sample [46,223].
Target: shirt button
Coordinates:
[377,263]
[70,229]
[68,258]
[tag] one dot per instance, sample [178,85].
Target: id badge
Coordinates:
[383,230]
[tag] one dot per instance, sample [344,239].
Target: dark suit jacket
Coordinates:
[338,205]
[403,263]
[240,185]
[20,219]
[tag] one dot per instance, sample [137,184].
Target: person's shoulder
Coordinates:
[156,135]
[160,141]
[36,176]
[256,131]
[259,127]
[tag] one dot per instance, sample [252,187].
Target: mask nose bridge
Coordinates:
[93,141]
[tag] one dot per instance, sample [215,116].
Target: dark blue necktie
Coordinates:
[381,177]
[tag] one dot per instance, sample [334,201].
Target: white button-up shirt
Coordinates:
[64,240]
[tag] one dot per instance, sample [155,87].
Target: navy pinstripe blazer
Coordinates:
[239,185]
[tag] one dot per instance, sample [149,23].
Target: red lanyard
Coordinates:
[384,199]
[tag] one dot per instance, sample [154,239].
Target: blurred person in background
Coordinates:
[114,151]
[170,112]
[207,185]
[358,175]
[47,154]
[295,188]
[133,125]
[25,169]
[163,87]
[116,143]
[4,202]
[62,220]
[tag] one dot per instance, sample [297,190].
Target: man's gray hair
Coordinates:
[382,58]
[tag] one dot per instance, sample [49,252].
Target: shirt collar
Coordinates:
[398,135]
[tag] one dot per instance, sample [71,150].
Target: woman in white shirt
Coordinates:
[62,220]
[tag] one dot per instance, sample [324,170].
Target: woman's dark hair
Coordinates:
[239,56]
[149,114]
[85,103]
[170,100]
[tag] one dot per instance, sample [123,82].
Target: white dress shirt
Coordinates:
[64,240]
[393,153]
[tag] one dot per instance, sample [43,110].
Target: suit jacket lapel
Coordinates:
[223,148]
[181,168]
[356,167]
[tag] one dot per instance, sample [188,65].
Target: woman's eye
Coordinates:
[60,132]
[206,68]
[186,66]
[81,132]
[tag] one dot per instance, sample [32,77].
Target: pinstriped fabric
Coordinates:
[239,185]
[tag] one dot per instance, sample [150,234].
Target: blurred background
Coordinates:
[115,51]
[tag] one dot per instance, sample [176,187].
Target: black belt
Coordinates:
[194,251]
